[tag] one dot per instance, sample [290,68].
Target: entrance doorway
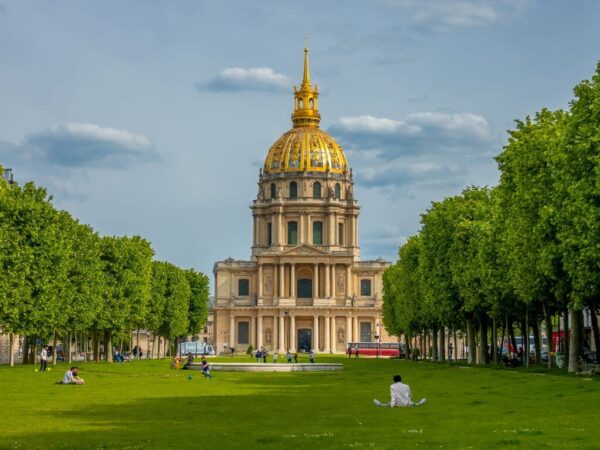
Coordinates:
[304,339]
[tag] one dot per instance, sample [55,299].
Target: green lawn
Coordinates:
[146,405]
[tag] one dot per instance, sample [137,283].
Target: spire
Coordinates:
[306,77]
[306,100]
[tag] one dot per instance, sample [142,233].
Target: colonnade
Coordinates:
[284,330]
[284,280]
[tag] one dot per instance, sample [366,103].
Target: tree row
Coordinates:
[520,254]
[59,278]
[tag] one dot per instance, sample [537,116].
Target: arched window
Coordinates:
[293,190]
[338,190]
[317,190]
[273,190]
[311,103]
[292,233]
[318,233]
[300,103]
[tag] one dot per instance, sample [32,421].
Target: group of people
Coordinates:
[262,355]
[204,366]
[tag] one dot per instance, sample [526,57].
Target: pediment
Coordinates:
[304,250]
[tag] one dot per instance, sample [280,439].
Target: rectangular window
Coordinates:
[318,233]
[292,233]
[243,287]
[365,288]
[269,234]
[365,332]
[243,332]
[340,234]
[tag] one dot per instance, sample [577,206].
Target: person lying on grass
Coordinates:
[71,377]
[400,395]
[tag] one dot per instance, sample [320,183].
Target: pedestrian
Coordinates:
[44,358]
[295,357]
[311,356]
[258,355]
[275,357]
[400,395]
[450,350]
[289,357]
[205,368]
[349,351]
[264,355]
[356,352]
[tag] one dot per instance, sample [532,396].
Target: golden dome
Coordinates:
[305,147]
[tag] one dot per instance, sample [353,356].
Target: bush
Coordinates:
[250,350]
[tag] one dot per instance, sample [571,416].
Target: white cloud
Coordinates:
[237,79]
[443,15]
[84,144]
[423,133]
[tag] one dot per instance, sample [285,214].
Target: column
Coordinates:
[316,333]
[259,331]
[231,329]
[279,237]
[333,335]
[275,288]
[260,281]
[355,229]
[327,280]
[308,230]
[327,348]
[292,333]
[316,281]
[349,337]
[254,240]
[333,295]
[281,281]
[281,333]
[331,233]
[355,329]
[348,281]
[254,333]
[301,229]
[293,280]
[275,334]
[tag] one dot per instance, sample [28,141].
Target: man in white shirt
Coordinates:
[400,395]
[44,358]
[72,378]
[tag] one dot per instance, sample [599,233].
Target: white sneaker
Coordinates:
[422,401]
[377,402]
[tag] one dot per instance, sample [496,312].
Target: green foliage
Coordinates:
[198,302]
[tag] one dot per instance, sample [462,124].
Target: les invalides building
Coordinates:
[305,286]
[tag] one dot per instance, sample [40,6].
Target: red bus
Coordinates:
[376,349]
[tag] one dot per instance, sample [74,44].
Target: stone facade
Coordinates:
[304,286]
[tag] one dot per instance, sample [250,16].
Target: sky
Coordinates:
[154,117]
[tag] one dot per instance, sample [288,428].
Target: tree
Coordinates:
[198,301]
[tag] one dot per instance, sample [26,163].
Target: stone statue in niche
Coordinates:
[330,192]
[341,336]
[341,284]
[268,336]
[269,284]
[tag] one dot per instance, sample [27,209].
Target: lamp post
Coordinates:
[287,313]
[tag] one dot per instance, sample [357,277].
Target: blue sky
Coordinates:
[153,117]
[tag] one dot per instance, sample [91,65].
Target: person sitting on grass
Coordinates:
[205,368]
[71,377]
[190,361]
[400,395]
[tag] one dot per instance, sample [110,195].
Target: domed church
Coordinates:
[305,286]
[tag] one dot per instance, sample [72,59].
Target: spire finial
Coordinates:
[306,76]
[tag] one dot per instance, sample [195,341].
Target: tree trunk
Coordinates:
[596,332]
[511,335]
[70,357]
[455,355]
[96,345]
[442,348]
[54,350]
[535,326]
[502,342]
[549,337]
[567,353]
[25,350]
[11,352]
[137,343]
[483,342]
[158,347]
[524,335]
[576,344]
[434,346]
[471,341]
[121,346]
[407,353]
[108,346]
[84,343]
[494,345]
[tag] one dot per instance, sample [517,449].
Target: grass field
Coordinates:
[145,404]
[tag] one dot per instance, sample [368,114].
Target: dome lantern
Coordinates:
[306,100]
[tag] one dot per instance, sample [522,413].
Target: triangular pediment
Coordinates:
[304,250]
